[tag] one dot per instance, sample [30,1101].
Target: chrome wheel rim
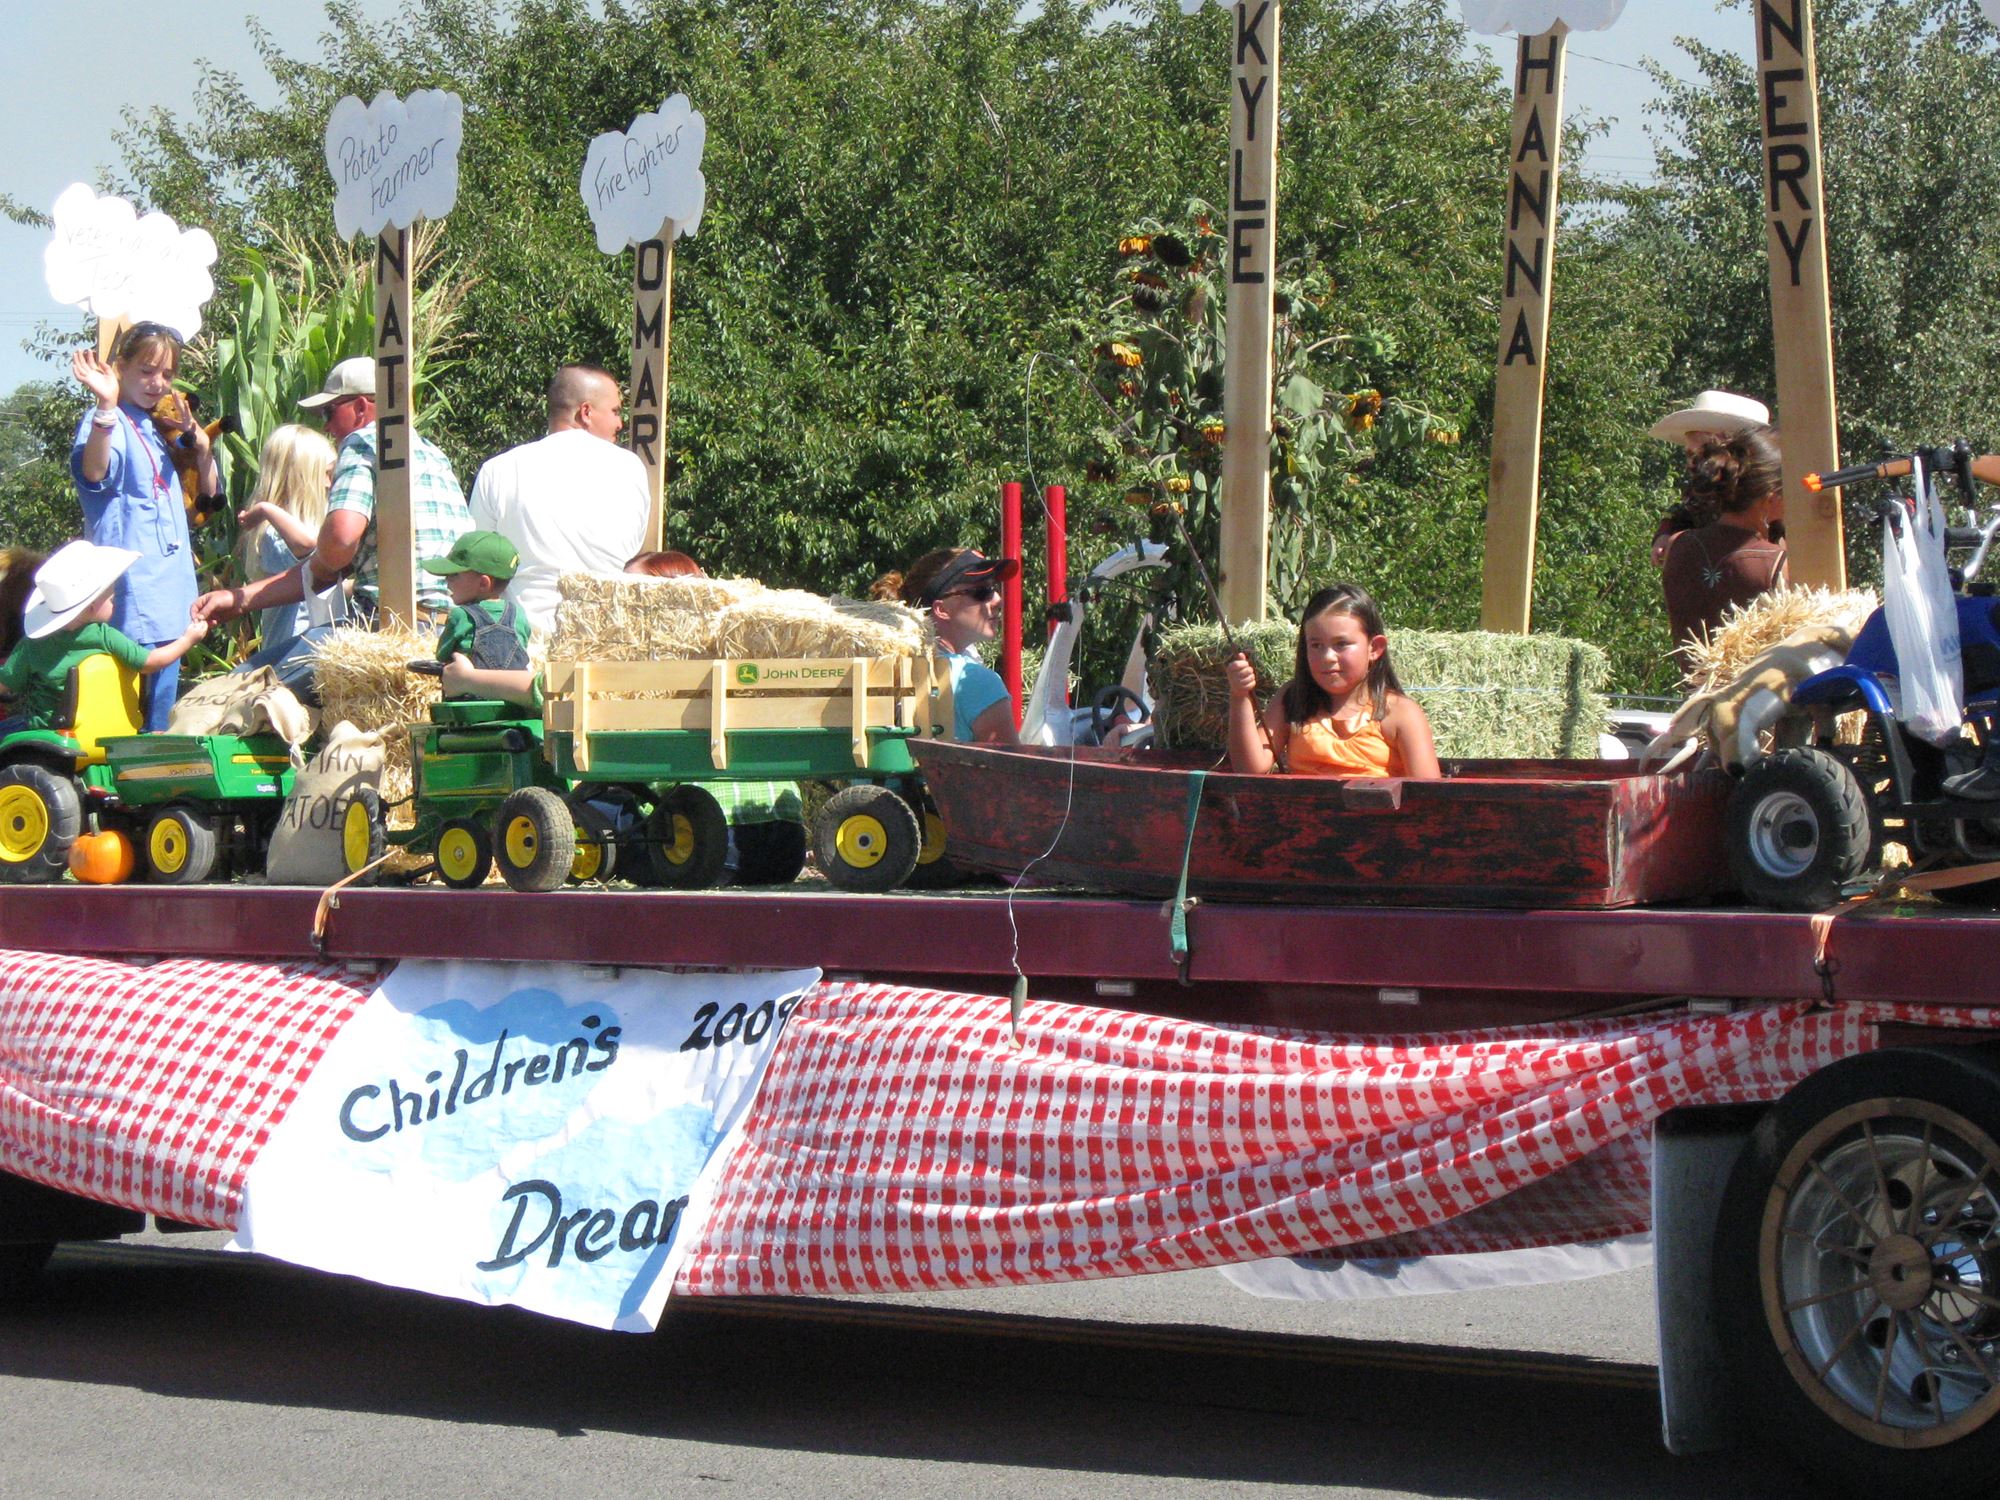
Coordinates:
[1784,834]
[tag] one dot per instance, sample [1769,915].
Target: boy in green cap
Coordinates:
[491,632]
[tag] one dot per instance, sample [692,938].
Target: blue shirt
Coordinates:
[137,505]
[975,687]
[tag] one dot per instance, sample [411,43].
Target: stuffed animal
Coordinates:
[1733,717]
[176,418]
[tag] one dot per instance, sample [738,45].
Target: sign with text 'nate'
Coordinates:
[545,1136]
[393,161]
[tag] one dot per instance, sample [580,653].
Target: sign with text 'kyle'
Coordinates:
[545,1136]
[393,161]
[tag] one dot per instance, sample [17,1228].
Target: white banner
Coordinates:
[546,1136]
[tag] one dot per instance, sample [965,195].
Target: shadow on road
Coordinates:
[876,1380]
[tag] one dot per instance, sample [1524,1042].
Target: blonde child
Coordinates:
[280,525]
[1343,713]
[68,617]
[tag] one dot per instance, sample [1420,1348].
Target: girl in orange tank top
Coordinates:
[1343,713]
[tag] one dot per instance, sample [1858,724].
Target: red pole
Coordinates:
[1010,596]
[1055,502]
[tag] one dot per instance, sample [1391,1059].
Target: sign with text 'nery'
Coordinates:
[393,161]
[545,1136]
[107,259]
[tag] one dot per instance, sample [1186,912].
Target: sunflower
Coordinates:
[1135,244]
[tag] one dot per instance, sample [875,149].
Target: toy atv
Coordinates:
[1812,816]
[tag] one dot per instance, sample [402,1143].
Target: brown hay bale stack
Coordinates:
[792,623]
[362,677]
[632,617]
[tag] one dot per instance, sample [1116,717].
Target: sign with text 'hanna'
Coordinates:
[545,1136]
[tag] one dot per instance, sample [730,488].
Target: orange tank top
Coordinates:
[1322,748]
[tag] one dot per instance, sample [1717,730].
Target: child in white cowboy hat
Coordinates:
[67,618]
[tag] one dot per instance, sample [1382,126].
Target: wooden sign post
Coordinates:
[395,422]
[646,414]
[1801,308]
[1249,309]
[1514,480]
[394,162]
[644,187]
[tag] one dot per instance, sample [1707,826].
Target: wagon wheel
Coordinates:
[41,813]
[596,844]
[936,870]
[464,853]
[1857,1272]
[1798,830]
[534,839]
[866,839]
[364,833]
[769,853]
[180,845]
[689,839]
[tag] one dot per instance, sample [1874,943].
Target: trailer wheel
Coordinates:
[769,853]
[596,844]
[936,870]
[364,832]
[20,1270]
[1857,1272]
[41,813]
[180,845]
[534,839]
[866,839]
[690,839]
[464,854]
[1798,830]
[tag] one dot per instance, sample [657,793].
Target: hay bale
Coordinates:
[629,617]
[1749,630]
[362,678]
[1486,695]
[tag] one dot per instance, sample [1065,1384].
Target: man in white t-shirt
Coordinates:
[571,502]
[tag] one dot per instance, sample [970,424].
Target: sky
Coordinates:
[60,130]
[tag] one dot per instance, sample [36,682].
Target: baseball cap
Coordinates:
[351,377]
[485,552]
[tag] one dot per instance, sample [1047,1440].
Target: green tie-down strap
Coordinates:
[1177,927]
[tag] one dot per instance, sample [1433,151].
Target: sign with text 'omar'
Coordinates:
[542,1136]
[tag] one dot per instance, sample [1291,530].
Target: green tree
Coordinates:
[38,506]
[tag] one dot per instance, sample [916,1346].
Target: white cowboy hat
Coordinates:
[1713,411]
[351,377]
[74,578]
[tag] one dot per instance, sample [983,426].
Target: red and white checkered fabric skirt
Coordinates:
[903,1139]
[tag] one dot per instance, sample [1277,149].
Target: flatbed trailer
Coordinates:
[1382,971]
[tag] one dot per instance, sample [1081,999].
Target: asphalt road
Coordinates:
[166,1369]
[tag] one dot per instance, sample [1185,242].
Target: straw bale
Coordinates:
[628,617]
[1749,630]
[1486,695]
[362,677]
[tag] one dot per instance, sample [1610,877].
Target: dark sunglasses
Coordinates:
[984,593]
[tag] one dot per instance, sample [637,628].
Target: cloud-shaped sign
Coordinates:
[393,161]
[1533,17]
[635,180]
[112,263]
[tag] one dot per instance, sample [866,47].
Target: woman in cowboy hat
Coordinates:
[68,618]
[1712,417]
[1727,556]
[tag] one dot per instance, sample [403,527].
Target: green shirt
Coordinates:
[461,625]
[36,671]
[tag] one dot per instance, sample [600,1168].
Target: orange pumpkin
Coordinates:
[103,858]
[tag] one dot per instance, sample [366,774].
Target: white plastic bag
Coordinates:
[1923,618]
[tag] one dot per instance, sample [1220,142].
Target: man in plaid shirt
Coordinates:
[438,516]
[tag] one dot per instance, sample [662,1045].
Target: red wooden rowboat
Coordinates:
[1493,833]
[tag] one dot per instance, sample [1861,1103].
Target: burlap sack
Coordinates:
[306,849]
[242,703]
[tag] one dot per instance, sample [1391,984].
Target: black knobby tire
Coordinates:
[1798,830]
[534,839]
[41,814]
[464,853]
[180,845]
[866,839]
[364,834]
[688,837]
[1857,1273]
[769,853]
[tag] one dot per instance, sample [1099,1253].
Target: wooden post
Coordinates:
[1513,482]
[646,418]
[1253,234]
[1801,309]
[395,428]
